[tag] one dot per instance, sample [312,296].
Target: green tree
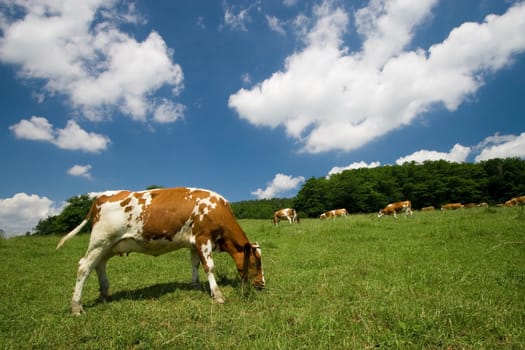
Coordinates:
[73,214]
[311,199]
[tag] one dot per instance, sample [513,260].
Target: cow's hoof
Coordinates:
[218,299]
[76,309]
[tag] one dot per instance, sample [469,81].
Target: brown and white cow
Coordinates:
[333,214]
[515,201]
[288,213]
[452,206]
[396,207]
[159,221]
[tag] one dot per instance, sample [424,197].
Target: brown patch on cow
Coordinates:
[117,197]
[125,202]
[163,219]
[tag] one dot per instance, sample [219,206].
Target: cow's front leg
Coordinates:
[205,253]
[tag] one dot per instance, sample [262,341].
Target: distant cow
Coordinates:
[159,221]
[333,214]
[396,207]
[429,208]
[288,213]
[452,206]
[515,201]
[470,205]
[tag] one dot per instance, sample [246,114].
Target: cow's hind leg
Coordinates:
[103,278]
[195,263]
[85,266]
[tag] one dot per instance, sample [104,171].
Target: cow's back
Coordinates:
[161,220]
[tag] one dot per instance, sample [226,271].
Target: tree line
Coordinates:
[362,190]
[433,183]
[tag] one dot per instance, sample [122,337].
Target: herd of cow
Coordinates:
[158,221]
[393,209]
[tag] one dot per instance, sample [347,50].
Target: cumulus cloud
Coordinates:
[355,165]
[330,98]
[21,213]
[80,170]
[502,146]
[280,185]
[458,154]
[72,137]
[78,50]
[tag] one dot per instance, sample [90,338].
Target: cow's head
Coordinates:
[322,216]
[252,267]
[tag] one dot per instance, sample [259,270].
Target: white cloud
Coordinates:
[72,137]
[280,184]
[21,213]
[168,112]
[37,129]
[329,98]
[355,165]
[458,154]
[275,24]
[237,20]
[502,146]
[80,170]
[78,50]
[246,78]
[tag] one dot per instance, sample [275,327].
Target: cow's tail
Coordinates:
[76,229]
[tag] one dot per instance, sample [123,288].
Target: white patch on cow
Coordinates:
[147,197]
[206,250]
[207,206]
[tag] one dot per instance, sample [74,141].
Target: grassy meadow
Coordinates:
[437,280]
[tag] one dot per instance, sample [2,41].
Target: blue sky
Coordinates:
[247,98]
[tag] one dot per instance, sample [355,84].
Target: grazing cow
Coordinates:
[429,208]
[288,213]
[452,206]
[470,205]
[159,221]
[333,214]
[396,207]
[515,201]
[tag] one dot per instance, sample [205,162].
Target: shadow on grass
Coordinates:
[158,290]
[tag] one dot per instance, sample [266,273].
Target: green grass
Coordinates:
[438,280]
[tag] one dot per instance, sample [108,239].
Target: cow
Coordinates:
[396,207]
[452,206]
[429,208]
[333,214]
[288,213]
[159,221]
[515,201]
[470,205]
